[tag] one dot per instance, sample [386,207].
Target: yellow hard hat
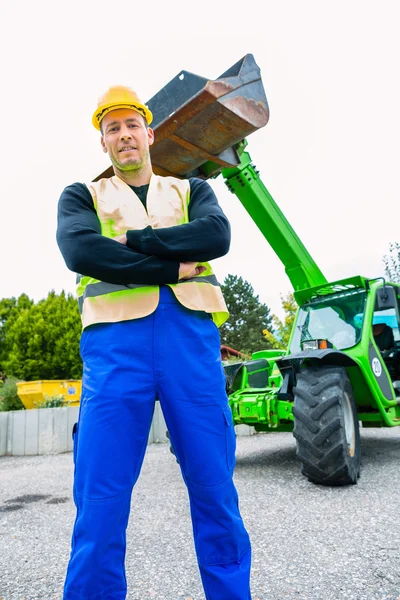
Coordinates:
[119,96]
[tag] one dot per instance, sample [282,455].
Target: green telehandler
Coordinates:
[342,365]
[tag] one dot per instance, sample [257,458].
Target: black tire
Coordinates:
[326,426]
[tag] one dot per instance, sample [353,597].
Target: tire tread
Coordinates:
[319,428]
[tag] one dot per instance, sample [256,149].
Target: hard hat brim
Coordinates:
[101,112]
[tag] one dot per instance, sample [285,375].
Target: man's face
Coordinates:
[126,139]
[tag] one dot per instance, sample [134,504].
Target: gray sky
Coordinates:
[329,154]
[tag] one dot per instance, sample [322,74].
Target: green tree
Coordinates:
[42,342]
[392,263]
[278,336]
[10,308]
[248,317]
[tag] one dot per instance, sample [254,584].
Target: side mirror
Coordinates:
[385,298]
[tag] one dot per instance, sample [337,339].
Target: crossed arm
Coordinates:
[150,256]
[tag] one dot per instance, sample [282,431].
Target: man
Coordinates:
[383,336]
[150,307]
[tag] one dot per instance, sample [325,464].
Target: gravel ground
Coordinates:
[309,542]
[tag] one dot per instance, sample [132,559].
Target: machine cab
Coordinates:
[386,330]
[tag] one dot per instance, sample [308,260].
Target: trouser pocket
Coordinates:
[74,441]
[230,437]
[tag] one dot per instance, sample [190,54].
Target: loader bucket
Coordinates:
[198,121]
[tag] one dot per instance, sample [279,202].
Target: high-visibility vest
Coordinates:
[119,209]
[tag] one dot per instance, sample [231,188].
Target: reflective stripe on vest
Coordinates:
[119,209]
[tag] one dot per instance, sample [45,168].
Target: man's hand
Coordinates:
[187,270]
[121,239]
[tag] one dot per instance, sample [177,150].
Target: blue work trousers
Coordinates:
[173,355]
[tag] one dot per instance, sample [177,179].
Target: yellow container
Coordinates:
[33,393]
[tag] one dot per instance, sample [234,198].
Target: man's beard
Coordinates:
[132,165]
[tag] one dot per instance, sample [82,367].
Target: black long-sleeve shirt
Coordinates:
[151,256]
